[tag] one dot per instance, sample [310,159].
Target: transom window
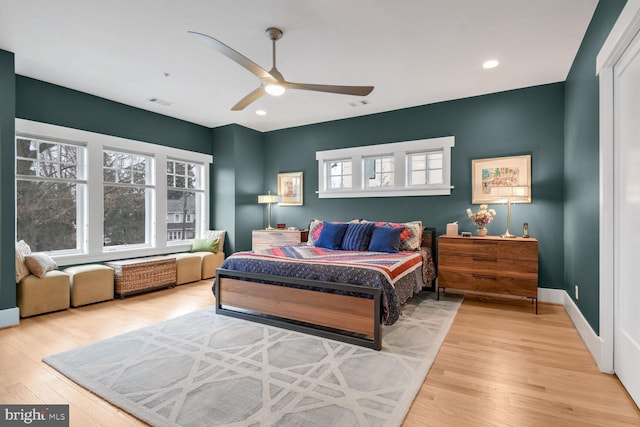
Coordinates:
[426,168]
[410,168]
[379,172]
[339,173]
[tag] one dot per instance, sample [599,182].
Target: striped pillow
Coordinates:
[357,237]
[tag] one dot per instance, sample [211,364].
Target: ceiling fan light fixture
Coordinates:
[274,89]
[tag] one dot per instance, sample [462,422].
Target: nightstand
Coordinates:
[489,264]
[263,239]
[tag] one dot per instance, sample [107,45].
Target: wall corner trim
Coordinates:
[9,317]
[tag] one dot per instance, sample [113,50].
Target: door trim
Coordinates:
[623,32]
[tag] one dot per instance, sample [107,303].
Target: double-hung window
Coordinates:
[128,196]
[410,168]
[184,199]
[50,187]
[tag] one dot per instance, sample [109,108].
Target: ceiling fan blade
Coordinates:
[249,99]
[346,90]
[237,57]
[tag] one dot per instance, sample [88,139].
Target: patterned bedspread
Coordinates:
[399,275]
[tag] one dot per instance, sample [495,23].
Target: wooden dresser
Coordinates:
[262,239]
[489,264]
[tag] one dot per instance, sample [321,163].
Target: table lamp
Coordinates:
[513,194]
[269,199]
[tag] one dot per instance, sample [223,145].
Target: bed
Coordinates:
[340,294]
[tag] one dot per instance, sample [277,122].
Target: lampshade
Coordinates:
[516,193]
[268,198]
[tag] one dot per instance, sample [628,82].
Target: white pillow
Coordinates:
[22,250]
[39,263]
[216,234]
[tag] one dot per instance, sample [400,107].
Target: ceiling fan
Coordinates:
[273,82]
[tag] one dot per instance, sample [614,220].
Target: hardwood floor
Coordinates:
[500,364]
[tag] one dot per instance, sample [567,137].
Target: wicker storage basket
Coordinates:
[132,276]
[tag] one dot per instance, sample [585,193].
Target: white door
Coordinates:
[626,356]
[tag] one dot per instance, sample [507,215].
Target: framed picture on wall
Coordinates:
[498,179]
[290,189]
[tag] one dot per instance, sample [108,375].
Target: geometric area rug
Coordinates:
[201,369]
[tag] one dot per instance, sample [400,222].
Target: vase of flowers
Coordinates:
[481,218]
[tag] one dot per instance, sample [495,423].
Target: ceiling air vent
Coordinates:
[162,102]
[359,103]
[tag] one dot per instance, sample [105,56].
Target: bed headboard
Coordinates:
[430,241]
[429,238]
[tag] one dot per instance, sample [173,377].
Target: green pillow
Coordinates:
[205,245]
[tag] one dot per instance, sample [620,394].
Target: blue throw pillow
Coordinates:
[331,235]
[357,237]
[385,239]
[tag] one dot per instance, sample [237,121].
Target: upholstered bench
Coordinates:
[90,283]
[188,268]
[209,263]
[37,295]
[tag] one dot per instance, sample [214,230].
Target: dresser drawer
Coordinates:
[468,247]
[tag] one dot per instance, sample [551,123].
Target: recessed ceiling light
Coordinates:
[261,113]
[492,63]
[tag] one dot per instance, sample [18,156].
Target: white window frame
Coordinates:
[93,249]
[400,152]
[200,188]
[80,181]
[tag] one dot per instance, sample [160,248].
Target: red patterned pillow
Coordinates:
[315,228]
[411,235]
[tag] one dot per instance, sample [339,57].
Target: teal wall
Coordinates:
[49,103]
[7,173]
[237,181]
[581,163]
[525,121]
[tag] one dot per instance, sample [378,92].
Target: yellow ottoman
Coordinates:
[42,295]
[90,283]
[210,262]
[187,268]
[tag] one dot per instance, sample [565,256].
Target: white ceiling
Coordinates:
[414,52]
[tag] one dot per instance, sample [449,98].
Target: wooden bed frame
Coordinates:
[352,319]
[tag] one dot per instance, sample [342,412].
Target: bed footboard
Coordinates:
[313,309]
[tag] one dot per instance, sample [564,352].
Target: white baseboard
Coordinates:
[559,296]
[9,317]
